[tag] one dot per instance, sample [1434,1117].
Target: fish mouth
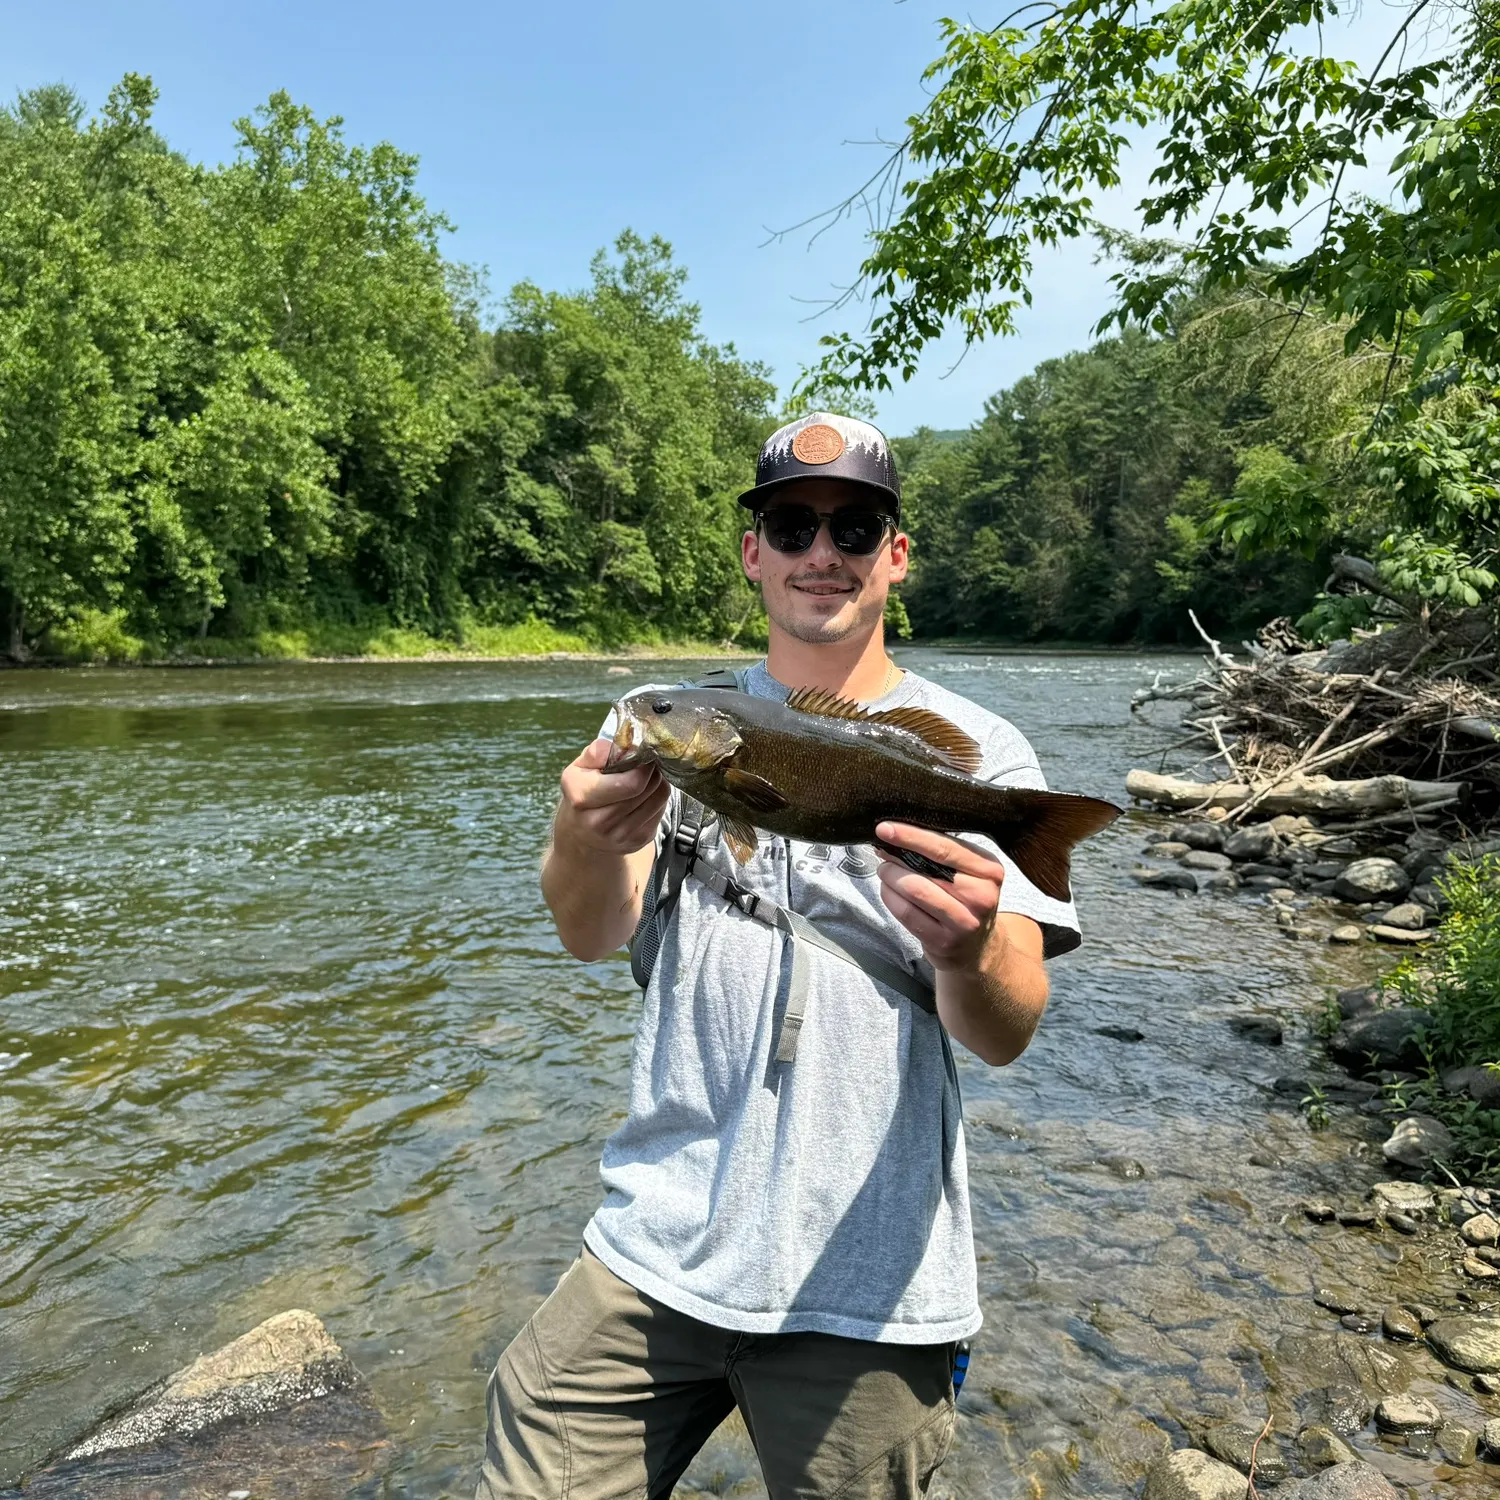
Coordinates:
[624,753]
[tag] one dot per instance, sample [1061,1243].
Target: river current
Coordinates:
[284,1023]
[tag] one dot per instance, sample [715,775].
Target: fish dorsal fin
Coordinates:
[950,743]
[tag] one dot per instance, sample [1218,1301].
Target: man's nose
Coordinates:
[822,553]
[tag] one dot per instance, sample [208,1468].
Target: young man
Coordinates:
[788,1237]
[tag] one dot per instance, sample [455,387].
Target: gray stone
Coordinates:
[1232,1444]
[1480,1229]
[1487,1385]
[1457,1444]
[1349,1481]
[1222,880]
[1188,1474]
[1324,869]
[1402,1223]
[1428,896]
[1255,842]
[1198,835]
[1372,880]
[1418,1141]
[1261,882]
[1263,1029]
[1400,1323]
[1168,849]
[1321,1448]
[1359,1000]
[1173,878]
[1336,1298]
[1358,1218]
[1422,1313]
[1407,1414]
[1406,1197]
[1347,932]
[1467,1343]
[1489,1254]
[1480,1270]
[1319,1213]
[1490,1437]
[1309,1360]
[1344,1408]
[1121,1033]
[1390,1035]
[1383,933]
[1480,1084]
[1360,1322]
[1408,914]
[1204,859]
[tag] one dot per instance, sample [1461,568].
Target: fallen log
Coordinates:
[1297,794]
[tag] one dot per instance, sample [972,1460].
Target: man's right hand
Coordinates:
[616,814]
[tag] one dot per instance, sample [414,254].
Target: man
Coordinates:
[788,1237]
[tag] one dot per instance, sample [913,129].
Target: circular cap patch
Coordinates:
[818,444]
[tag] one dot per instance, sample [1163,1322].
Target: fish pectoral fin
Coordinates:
[755,791]
[740,836]
[918,862]
[949,743]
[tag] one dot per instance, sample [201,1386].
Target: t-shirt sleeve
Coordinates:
[1010,761]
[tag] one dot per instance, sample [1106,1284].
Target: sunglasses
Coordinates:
[854,529]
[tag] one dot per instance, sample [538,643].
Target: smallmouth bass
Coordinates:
[821,769]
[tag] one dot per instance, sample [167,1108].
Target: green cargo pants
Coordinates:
[607,1393]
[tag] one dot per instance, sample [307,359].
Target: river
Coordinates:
[283,1022]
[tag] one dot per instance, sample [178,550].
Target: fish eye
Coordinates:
[661,705]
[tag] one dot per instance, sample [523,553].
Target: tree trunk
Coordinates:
[1299,794]
[17,648]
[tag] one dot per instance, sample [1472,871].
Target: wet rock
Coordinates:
[1402,1223]
[1407,1414]
[1168,849]
[1487,1385]
[1257,1029]
[1408,914]
[1198,835]
[1232,1444]
[1359,1000]
[1173,878]
[1358,1218]
[1418,1141]
[1352,1481]
[1261,882]
[1372,880]
[1222,880]
[1490,1437]
[1204,859]
[1319,1213]
[1311,1360]
[1469,1343]
[1489,1254]
[1321,1448]
[1478,1269]
[1255,842]
[1126,1168]
[1351,1090]
[1188,1474]
[1347,933]
[1458,1444]
[1422,1313]
[1289,1086]
[1390,1035]
[1120,1033]
[1360,1322]
[1336,1298]
[1480,1229]
[1344,1408]
[1405,1197]
[1267,1160]
[1400,1323]
[1480,1084]
[1383,933]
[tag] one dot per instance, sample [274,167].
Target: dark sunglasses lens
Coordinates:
[858,532]
[790,528]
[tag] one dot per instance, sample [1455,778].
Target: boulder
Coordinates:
[1255,842]
[1390,1035]
[1372,880]
[1321,1448]
[1428,896]
[1324,869]
[1232,1444]
[1404,1197]
[1480,1229]
[1407,1414]
[1204,859]
[1173,878]
[1469,1343]
[1348,1481]
[1188,1474]
[1418,1141]
[1481,1084]
[1198,835]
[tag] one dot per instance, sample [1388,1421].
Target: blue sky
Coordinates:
[544,130]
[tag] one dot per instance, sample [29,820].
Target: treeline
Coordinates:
[248,398]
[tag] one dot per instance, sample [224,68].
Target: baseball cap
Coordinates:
[823,445]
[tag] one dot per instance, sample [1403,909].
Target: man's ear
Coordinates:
[750,555]
[900,557]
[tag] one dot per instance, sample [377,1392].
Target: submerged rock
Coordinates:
[1321,1447]
[1418,1141]
[1188,1474]
[1233,1444]
[1336,1298]
[1351,1481]
[1458,1444]
[1467,1343]
[1263,1029]
[1344,1408]
[1174,878]
[1120,1033]
[1340,1360]
[1407,1414]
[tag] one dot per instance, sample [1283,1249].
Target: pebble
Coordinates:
[1407,1414]
[1400,1323]
[1322,1448]
[1336,1298]
[1476,1268]
[1232,1444]
[1402,1223]
[1348,933]
[1481,1229]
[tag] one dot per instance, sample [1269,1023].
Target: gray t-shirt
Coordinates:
[829,1194]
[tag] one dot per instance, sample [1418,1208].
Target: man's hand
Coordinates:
[611,814]
[951,919]
[991,986]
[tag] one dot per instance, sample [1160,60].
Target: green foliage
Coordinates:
[1315,1107]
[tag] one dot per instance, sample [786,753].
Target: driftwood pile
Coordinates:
[1400,726]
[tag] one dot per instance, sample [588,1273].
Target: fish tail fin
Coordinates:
[1050,824]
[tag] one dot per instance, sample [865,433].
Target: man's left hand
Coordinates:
[953,919]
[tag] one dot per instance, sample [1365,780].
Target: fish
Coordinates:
[822,769]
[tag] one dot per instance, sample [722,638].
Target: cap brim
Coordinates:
[753,499]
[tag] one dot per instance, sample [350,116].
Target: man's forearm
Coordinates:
[993,1009]
[594,896]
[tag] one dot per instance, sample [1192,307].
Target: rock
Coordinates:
[1467,1343]
[1257,1029]
[1266,1159]
[1481,1084]
[1407,1414]
[1291,825]
[1324,869]
[1120,1033]
[1490,1437]
[1384,934]
[1222,880]
[1360,1322]
[1126,1168]
[1421,1312]
[1429,897]
[1457,1444]
[1204,859]
[1360,1000]
[1197,835]
[1400,1323]
[1487,1385]
[1289,1086]
[1168,849]
[1481,1229]
[1347,933]
[1418,1141]
[1344,1408]
[1347,1481]
[1321,1448]
[1316,1360]
[1319,1213]
[1336,1298]
[1372,880]
[1402,1223]
[1188,1474]
[1406,1197]
[1232,1444]
[1261,882]
[1478,1269]
[1489,1254]
[1174,878]
[1408,914]
[1255,842]
[1358,1218]
[1390,1035]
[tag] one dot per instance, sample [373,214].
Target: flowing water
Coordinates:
[283,1022]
